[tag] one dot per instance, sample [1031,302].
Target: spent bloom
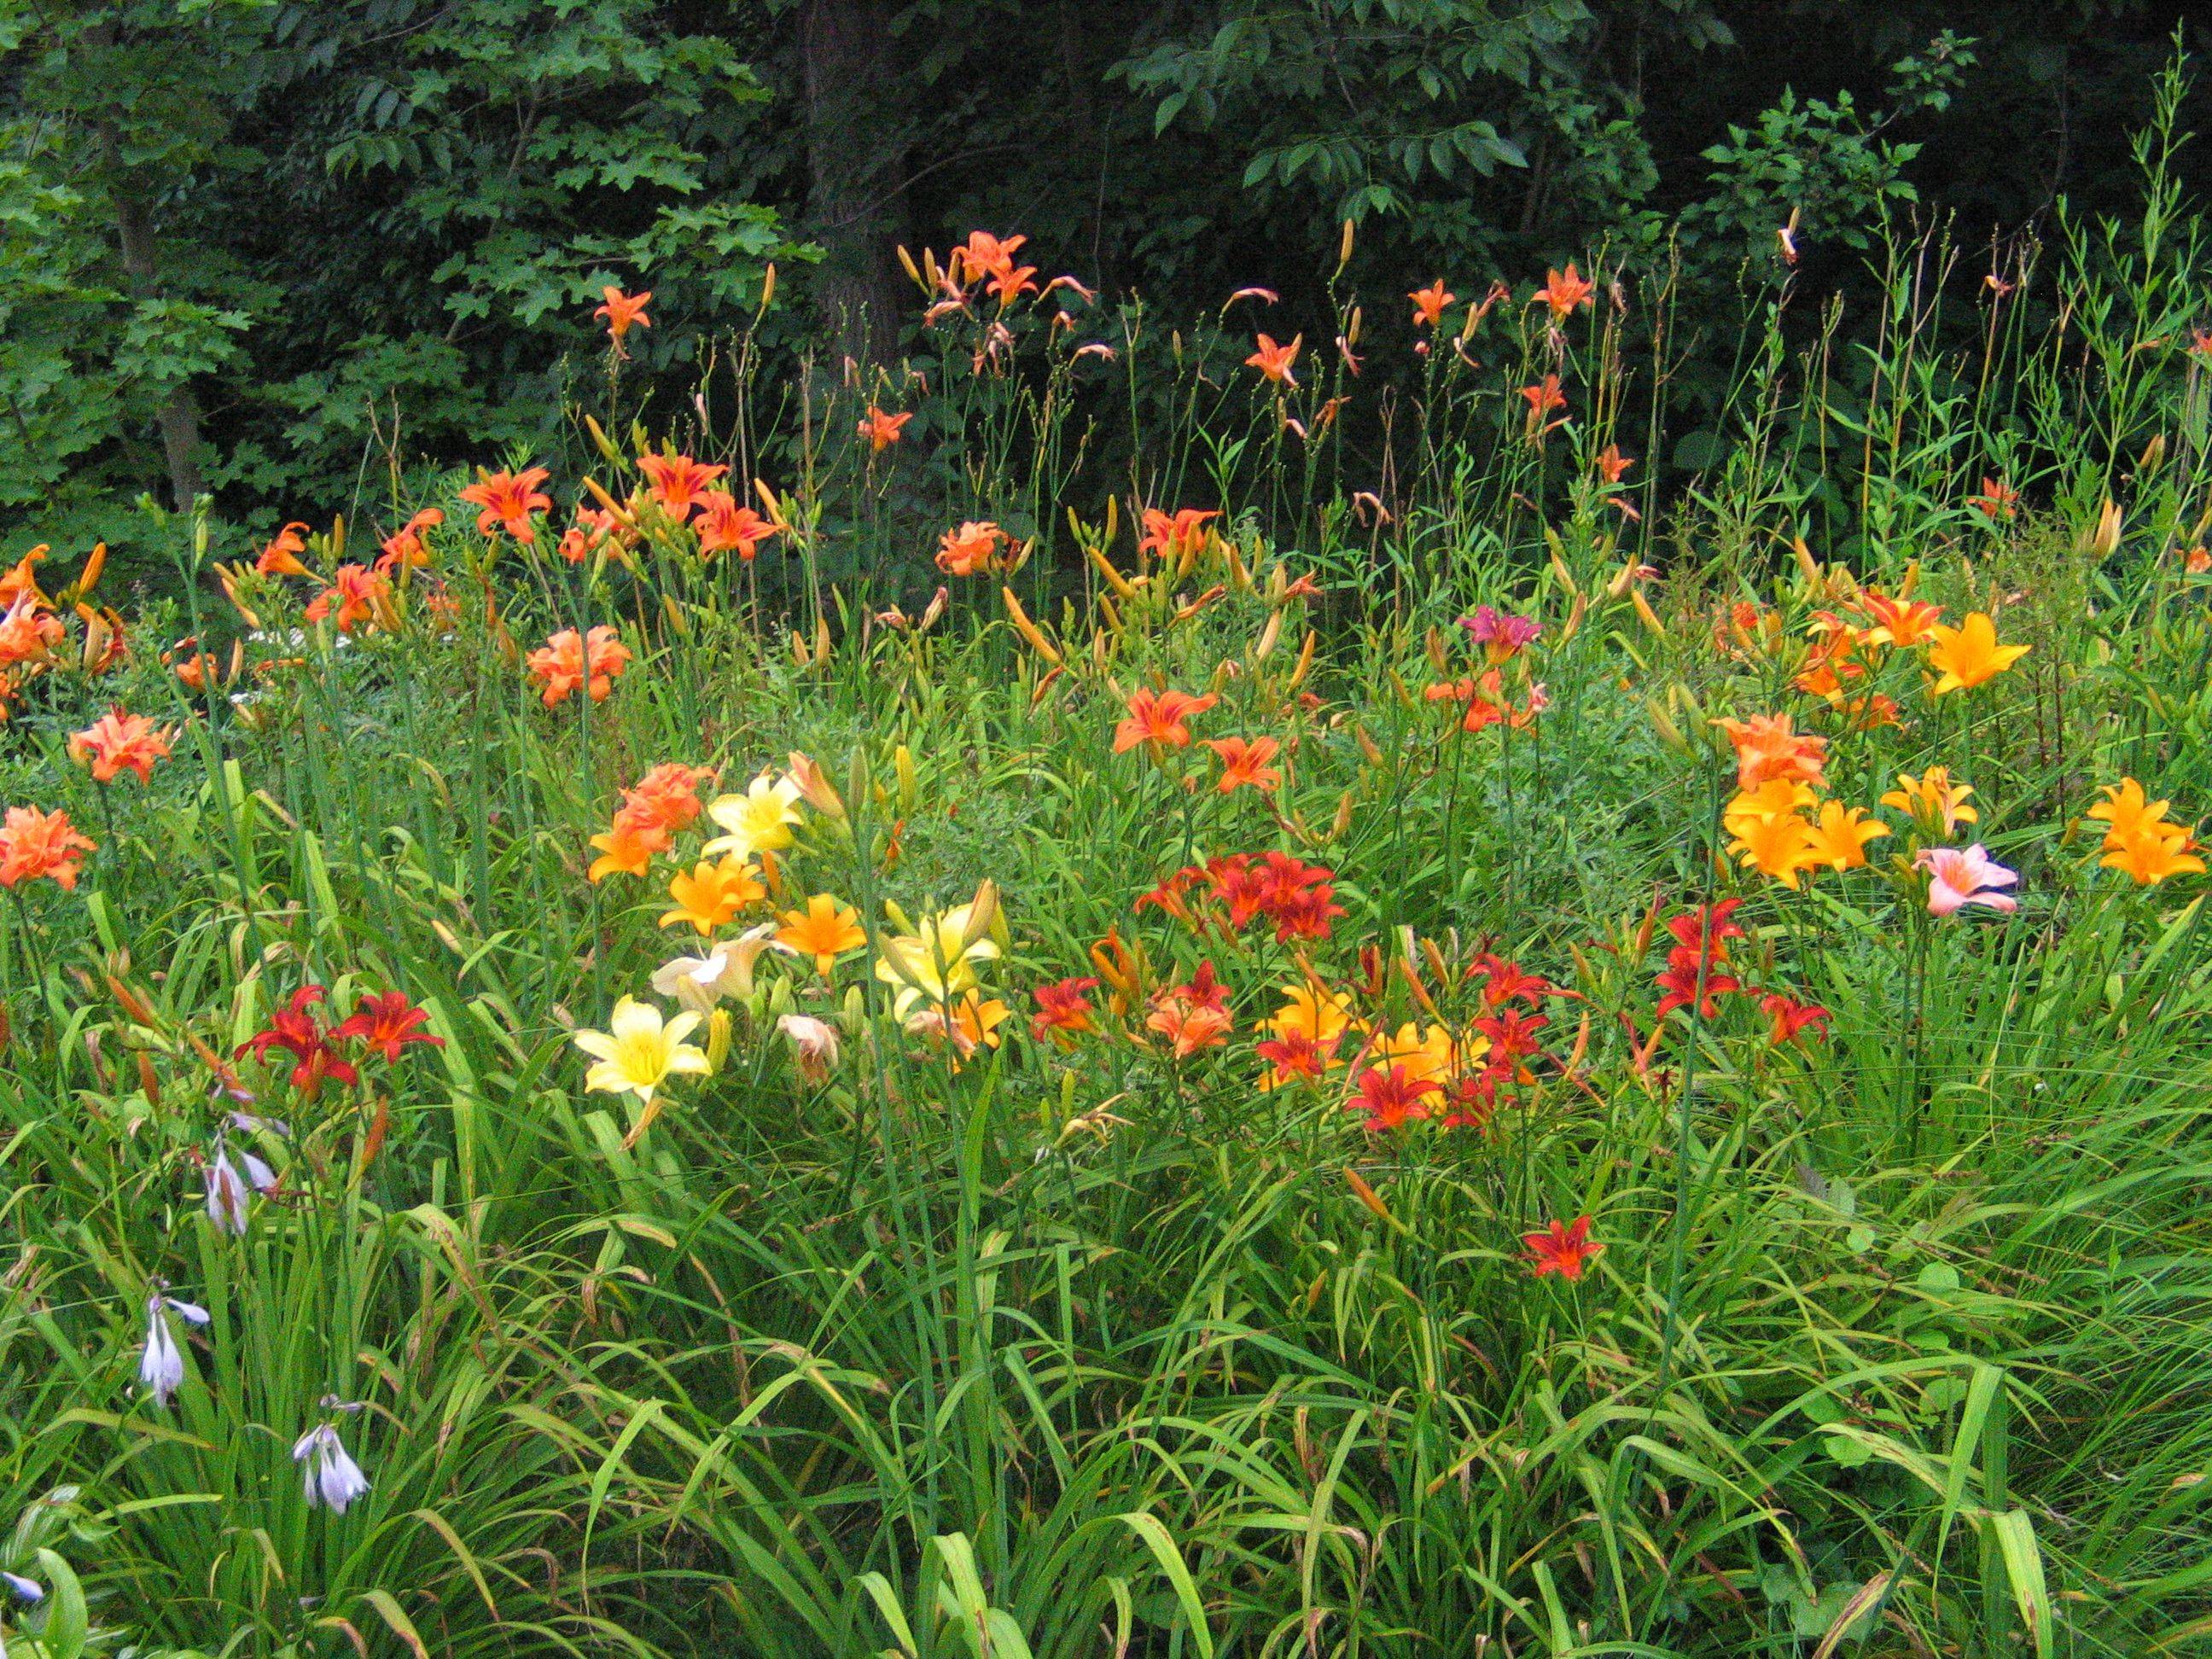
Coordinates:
[332,1479]
[1958,877]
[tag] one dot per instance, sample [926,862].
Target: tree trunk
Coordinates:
[856,160]
[178,417]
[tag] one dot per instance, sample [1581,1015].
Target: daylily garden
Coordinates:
[739,1040]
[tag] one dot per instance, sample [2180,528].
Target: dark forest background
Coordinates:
[259,250]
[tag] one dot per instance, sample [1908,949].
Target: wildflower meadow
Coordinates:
[1109,995]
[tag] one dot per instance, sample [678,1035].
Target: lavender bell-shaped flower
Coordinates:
[26,1589]
[226,1193]
[161,1367]
[329,1477]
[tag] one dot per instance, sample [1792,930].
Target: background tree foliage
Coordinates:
[267,250]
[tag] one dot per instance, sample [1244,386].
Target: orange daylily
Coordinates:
[726,528]
[882,428]
[1171,535]
[1428,303]
[117,743]
[507,499]
[1157,718]
[825,930]
[1767,747]
[281,557]
[1246,764]
[565,662]
[712,894]
[1565,292]
[33,843]
[970,550]
[1901,623]
[357,595]
[404,545]
[679,483]
[1275,362]
[622,312]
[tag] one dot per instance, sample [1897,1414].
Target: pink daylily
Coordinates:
[1957,877]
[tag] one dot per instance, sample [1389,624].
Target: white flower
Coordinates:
[698,983]
[161,1367]
[226,1193]
[329,1477]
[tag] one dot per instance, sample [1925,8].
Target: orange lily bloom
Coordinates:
[970,550]
[713,893]
[726,528]
[404,545]
[1275,362]
[117,743]
[18,581]
[626,849]
[357,595]
[33,843]
[565,662]
[1543,398]
[1428,303]
[1171,535]
[679,483]
[507,499]
[1157,718]
[883,430]
[1968,654]
[281,557]
[622,312]
[1245,764]
[1565,292]
[825,930]
[1612,465]
[1901,623]
[1767,747]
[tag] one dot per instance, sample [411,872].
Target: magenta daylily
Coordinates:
[1959,877]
